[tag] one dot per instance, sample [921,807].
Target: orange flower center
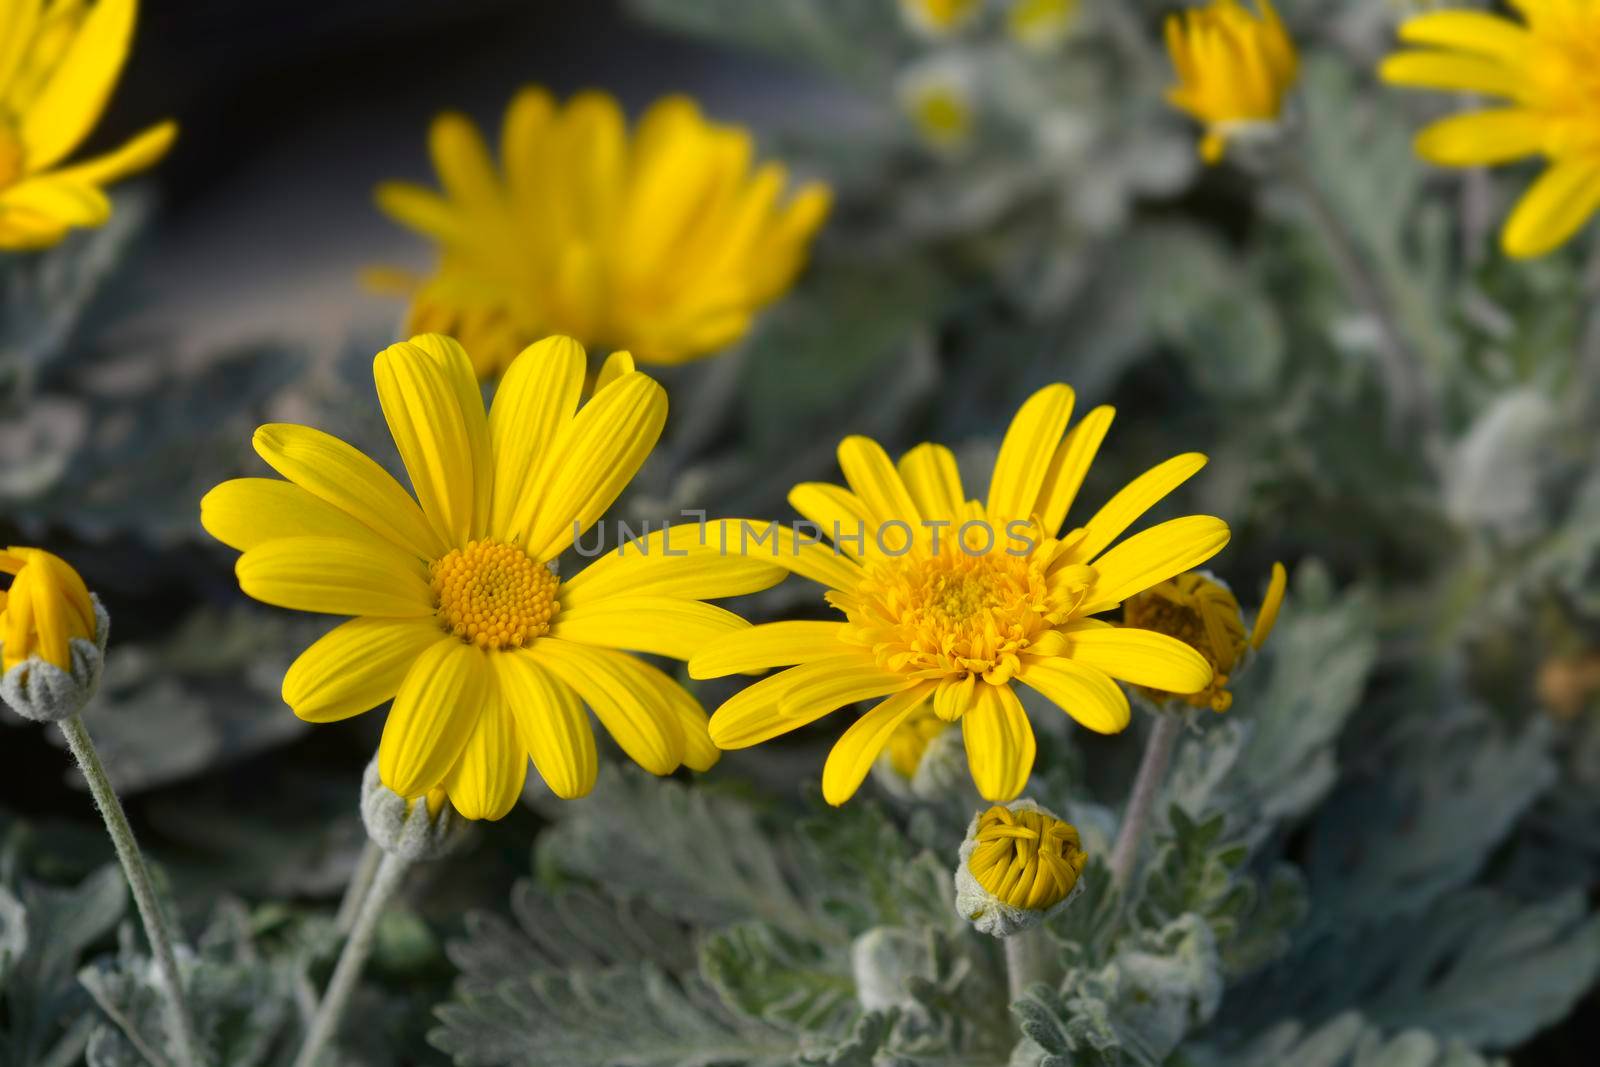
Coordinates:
[493,595]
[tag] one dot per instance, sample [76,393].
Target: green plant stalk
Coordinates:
[1027,960]
[1152,772]
[185,1042]
[352,960]
[360,883]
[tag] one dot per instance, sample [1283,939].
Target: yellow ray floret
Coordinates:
[58,64]
[1235,67]
[457,616]
[665,242]
[1543,72]
[948,602]
[46,607]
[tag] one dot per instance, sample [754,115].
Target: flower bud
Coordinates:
[415,829]
[53,634]
[924,760]
[1018,865]
[1235,66]
[1200,610]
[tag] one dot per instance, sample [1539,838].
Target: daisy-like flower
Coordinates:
[1202,612]
[457,615]
[940,18]
[1235,66]
[939,97]
[950,602]
[1543,71]
[58,64]
[666,243]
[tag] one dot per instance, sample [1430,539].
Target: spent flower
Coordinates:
[949,602]
[666,242]
[938,95]
[58,64]
[1235,67]
[1539,73]
[1201,611]
[459,614]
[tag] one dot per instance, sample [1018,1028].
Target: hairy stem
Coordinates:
[1027,960]
[1152,771]
[185,1042]
[352,960]
[360,883]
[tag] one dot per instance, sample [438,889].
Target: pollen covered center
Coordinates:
[955,613]
[493,595]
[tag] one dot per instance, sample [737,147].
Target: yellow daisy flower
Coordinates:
[1235,67]
[1543,70]
[58,64]
[666,243]
[950,601]
[1204,614]
[46,607]
[939,18]
[485,652]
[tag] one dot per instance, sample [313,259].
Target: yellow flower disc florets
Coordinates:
[953,613]
[1203,614]
[1026,859]
[493,595]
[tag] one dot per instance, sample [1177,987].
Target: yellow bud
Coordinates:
[1026,858]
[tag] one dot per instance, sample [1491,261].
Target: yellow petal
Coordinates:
[1025,453]
[68,203]
[1469,31]
[356,666]
[1141,657]
[660,625]
[536,397]
[773,644]
[1135,498]
[593,458]
[1000,743]
[1152,556]
[1452,72]
[616,365]
[246,512]
[839,515]
[1070,465]
[1553,209]
[699,753]
[144,150]
[424,410]
[70,103]
[955,696]
[632,712]
[18,21]
[334,471]
[873,478]
[462,160]
[934,482]
[551,722]
[487,778]
[1479,138]
[1086,694]
[336,577]
[1267,617]
[754,715]
[812,695]
[853,754]
[422,210]
[823,564]
[434,714]
[688,561]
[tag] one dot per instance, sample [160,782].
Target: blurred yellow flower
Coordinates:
[1543,69]
[458,618]
[58,65]
[939,18]
[1234,66]
[666,243]
[910,740]
[937,95]
[949,601]
[1026,858]
[46,607]
[1203,613]
[1041,24]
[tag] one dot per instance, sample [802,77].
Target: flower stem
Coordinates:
[1027,960]
[1152,771]
[352,960]
[185,1043]
[360,883]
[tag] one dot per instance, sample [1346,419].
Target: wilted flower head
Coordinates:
[1018,863]
[58,65]
[939,97]
[1202,612]
[940,18]
[665,243]
[1234,66]
[52,636]
[1543,72]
